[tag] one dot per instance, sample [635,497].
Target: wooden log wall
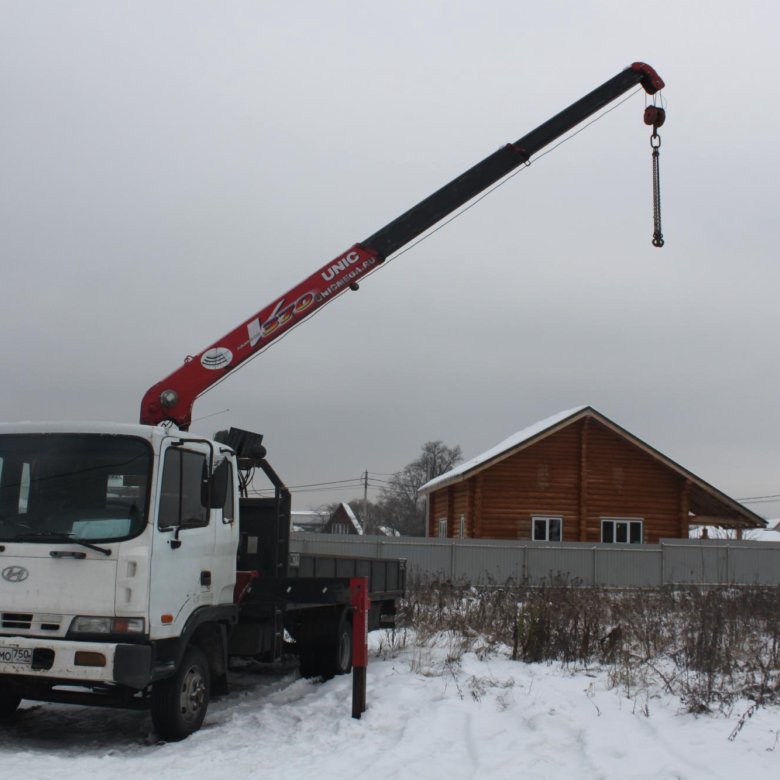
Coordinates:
[625,481]
[541,480]
[582,473]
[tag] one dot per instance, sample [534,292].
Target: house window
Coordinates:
[622,530]
[443,528]
[546,529]
[462,528]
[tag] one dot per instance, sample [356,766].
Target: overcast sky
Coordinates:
[169,168]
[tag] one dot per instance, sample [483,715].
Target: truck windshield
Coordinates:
[85,487]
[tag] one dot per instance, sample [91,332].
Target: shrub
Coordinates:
[710,646]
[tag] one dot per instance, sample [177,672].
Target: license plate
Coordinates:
[21,656]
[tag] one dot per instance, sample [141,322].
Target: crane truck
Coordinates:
[134,565]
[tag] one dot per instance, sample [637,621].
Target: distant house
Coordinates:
[343,521]
[769,534]
[576,477]
[307,520]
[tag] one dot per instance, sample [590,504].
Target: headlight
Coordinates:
[84,624]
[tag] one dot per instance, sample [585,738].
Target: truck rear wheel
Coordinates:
[327,659]
[342,653]
[179,703]
[9,701]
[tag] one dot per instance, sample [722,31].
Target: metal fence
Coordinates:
[485,562]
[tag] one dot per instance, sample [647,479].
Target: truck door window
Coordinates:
[181,495]
[227,512]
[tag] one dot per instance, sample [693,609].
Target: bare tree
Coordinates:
[400,505]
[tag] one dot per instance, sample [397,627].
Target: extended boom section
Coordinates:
[173,398]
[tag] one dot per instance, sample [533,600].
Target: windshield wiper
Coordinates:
[58,537]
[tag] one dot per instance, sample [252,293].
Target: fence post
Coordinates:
[360,602]
[729,579]
[452,560]
[663,563]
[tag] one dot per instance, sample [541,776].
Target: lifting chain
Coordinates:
[655,116]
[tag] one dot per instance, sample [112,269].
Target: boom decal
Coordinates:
[173,397]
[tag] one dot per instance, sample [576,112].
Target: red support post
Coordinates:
[360,602]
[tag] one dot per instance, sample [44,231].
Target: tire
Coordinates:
[310,658]
[9,701]
[342,652]
[179,703]
[329,659]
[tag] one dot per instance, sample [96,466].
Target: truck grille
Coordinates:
[16,620]
[25,621]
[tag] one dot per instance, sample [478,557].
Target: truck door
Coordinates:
[184,544]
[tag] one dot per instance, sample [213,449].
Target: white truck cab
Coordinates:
[117,567]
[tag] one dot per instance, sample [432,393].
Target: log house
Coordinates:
[576,477]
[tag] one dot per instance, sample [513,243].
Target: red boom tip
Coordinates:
[651,81]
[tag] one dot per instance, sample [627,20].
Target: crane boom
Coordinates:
[173,397]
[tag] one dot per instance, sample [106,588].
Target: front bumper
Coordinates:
[68,661]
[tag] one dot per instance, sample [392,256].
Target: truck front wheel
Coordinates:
[179,703]
[9,701]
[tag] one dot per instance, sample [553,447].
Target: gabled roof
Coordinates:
[509,446]
[353,518]
[705,500]
[344,510]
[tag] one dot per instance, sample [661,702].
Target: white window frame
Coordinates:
[630,522]
[547,519]
[443,528]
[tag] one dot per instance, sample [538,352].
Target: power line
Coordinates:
[327,484]
[765,500]
[335,483]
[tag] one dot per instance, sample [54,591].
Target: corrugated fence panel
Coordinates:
[493,564]
[697,564]
[561,562]
[756,564]
[488,562]
[628,565]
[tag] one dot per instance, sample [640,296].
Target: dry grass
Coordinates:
[711,647]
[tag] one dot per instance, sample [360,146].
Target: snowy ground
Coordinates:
[490,718]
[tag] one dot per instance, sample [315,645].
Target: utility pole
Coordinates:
[365,502]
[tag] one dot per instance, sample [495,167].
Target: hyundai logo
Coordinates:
[15,574]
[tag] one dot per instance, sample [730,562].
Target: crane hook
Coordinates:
[656,116]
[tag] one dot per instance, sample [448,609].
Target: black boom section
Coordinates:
[493,168]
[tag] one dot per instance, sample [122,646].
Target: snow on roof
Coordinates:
[352,517]
[308,514]
[769,534]
[307,520]
[509,443]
